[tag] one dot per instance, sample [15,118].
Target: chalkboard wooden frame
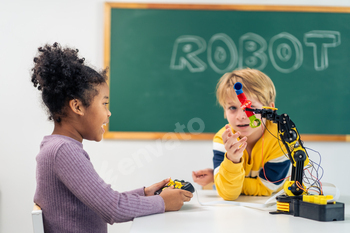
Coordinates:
[202,136]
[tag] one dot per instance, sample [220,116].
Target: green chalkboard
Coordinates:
[165,61]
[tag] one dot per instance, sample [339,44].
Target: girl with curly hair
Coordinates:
[71,194]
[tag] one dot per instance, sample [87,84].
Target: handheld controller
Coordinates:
[178,184]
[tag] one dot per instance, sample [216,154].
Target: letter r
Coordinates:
[185,51]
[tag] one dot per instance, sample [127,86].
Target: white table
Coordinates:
[194,217]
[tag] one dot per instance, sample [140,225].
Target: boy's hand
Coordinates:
[234,147]
[149,191]
[175,198]
[203,177]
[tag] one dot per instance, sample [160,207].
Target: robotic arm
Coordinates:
[290,137]
[296,201]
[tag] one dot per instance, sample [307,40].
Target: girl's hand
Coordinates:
[149,191]
[175,198]
[203,177]
[234,147]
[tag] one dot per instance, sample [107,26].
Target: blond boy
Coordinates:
[246,160]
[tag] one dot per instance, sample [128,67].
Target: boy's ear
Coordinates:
[76,106]
[272,105]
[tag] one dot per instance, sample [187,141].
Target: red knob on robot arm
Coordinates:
[245,103]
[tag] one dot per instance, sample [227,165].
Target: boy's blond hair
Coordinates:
[256,84]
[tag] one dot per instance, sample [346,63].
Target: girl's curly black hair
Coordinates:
[62,76]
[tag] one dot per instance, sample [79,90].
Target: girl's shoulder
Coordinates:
[60,139]
[59,146]
[54,142]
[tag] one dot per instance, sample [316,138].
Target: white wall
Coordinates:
[26,25]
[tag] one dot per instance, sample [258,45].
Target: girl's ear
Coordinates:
[76,106]
[272,105]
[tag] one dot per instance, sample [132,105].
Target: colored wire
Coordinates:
[320,187]
[318,165]
[317,170]
[315,180]
[302,188]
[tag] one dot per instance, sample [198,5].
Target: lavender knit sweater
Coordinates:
[75,199]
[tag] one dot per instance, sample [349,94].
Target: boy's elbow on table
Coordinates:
[229,197]
[227,194]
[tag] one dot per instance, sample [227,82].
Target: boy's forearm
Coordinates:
[229,180]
